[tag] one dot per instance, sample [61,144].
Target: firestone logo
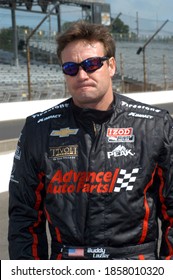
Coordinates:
[140,106]
[92,182]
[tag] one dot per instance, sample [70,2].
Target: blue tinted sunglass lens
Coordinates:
[70,68]
[91,64]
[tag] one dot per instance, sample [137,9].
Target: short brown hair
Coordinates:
[87,31]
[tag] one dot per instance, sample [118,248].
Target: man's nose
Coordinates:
[82,73]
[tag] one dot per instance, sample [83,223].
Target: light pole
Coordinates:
[28,48]
[15,39]
[143,50]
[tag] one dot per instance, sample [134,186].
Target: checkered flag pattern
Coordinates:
[126,180]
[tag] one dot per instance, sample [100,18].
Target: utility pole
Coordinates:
[137,25]
[28,48]
[142,49]
[50,37]
[122,73]
[164,73]
[15,39]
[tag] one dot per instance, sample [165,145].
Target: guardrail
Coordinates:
[20,110]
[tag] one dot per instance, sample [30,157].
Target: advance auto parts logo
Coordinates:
[92,182]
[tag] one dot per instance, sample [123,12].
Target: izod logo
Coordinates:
[120,134]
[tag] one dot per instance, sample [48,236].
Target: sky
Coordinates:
[150,9]
[151,14]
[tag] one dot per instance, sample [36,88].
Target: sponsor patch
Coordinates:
[92,182]
[117,135]
[76,252]
[126,180]
[142,116]
[63,152]
[59,106]
[17,154]
[48,118]
[64,132]
[120,151]
[140,106]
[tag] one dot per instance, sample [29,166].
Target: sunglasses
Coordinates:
[89,65]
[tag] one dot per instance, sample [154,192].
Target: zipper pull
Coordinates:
[96,128]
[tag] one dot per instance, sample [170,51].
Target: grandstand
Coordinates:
[47,80]
[47,83]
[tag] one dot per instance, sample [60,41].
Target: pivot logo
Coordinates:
[120,151]
[120,134]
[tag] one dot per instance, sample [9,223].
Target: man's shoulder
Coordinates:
[54,112]
[138,109]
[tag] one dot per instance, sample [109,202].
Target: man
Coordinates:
[98,167]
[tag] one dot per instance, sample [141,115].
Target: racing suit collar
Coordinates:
[93,115]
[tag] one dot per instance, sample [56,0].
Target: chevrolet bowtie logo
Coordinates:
[64,132]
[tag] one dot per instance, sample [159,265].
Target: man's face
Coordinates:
[91,90]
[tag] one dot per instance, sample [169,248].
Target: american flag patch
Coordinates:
[78,252]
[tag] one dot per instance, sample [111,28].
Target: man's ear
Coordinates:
[112,66]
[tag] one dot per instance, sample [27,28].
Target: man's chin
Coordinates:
[87,101]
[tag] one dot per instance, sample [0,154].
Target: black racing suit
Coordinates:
[100,179]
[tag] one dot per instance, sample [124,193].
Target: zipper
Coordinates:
[96,128]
